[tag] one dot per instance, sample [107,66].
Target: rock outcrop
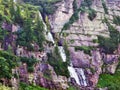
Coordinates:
[84,32]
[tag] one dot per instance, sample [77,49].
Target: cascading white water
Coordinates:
[73,74]
[14,0]
[78,75]
[49,36]
[81,76]
[62,53]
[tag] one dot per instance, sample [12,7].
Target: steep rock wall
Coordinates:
[83,32]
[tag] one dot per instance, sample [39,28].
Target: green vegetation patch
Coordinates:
[110,44]
[46,6]
[86,49]
[24,86]
[85,7]
[7,63]
[72,88]
[55,60]
[2,87]
[110,81]
[30,63]
[116,20]
[105,7]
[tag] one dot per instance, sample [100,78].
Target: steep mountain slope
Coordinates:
[60,44]
[91,30]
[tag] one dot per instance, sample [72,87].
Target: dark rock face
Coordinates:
[60,42]
[109,59]
[79,59]
[46,83]
[42,67]
[38,79]
[7,26]
[23,73]
[93,65]
[10,39]
[42,81]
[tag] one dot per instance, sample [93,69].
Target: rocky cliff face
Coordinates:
[72,45]
[84,32]
[62,15]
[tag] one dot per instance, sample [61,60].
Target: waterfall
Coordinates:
[49,36]
[81,76]
[62,53]
[14,0]
[78,75]
[73,74]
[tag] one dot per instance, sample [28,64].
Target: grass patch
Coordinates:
[110,81]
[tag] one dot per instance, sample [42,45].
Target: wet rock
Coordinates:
[109,59]
[60,42]
[72,81]
[81,60]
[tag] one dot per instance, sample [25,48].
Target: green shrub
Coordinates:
[110,44]
[107,44]
[47,6]
[7,63]
[30,63]
[116,20]
[67,53]
[74,5]
[72,88]
[86,49]
[24,86]
[31,32]
[3,33]
[92,14]
[59,66]
[95,40]
[82,9]
[105,7]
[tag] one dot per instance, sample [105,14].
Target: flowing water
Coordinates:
[50,37]
[81,76]
[73,74]
[76,73]
[14,0]
[48,34]
[62,53]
